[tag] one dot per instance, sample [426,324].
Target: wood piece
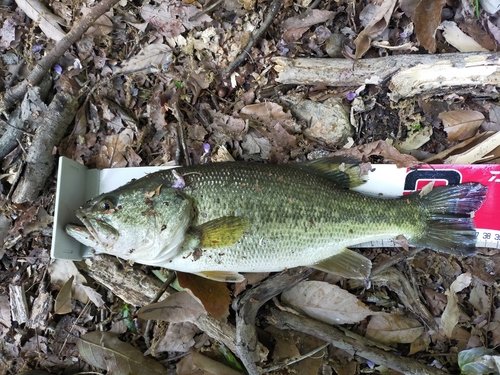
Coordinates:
[408,75]
[353,344]
[18,305]
[40,311]
[40,159]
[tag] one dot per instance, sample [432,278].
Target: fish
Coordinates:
[220,220]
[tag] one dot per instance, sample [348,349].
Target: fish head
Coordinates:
[142,221]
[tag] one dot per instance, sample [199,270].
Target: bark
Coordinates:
[40,159]
[407,75]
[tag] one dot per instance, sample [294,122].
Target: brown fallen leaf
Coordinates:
[295,27]
[214,295]
[427,19]
[176,308]
[461,124]
[391,328]
[111,155]
[106,351]
[325,302]
[63,299]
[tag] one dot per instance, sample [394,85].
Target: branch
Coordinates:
[353,344]
[16,93]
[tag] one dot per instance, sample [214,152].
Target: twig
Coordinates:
[279,366]
[271,14]
[40,160]
[389,262]
[354,344]
[166,284]
[180,134]
[203,11]
[16,93]
[246,308]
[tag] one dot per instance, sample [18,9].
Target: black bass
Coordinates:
[220,219]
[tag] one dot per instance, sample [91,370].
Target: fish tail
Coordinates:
[449,226]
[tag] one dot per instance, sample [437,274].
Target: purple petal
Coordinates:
[350,96]
[37,48]
[58,69]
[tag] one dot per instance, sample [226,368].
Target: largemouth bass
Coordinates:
[217,220]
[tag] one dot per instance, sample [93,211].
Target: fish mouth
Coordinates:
[94,233]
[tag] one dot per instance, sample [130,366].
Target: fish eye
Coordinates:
[106,205]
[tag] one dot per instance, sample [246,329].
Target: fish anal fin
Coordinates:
[347,264]
[222,276]
[221,232]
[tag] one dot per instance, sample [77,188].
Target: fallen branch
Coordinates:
[40,159]
[16,93]
[408,75]
[353,344]
[246,309]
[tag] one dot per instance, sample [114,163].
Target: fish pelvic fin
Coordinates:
[450,226]
[222,276]
[347,264]
[221,232]
[344,171]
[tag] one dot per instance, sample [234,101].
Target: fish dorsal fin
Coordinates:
[347,264]
[221,232]
[222,276]
[343,171]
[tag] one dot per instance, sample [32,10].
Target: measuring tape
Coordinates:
[389,181]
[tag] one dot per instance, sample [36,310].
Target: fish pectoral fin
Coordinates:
[347,264]
[223,276]
[222,232]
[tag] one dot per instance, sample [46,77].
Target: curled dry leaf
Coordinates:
[427,19]
[379,15]
[461,124]
[325,302]
[176,308]
[391,328]
[48,21]
[451,313]
[106,351]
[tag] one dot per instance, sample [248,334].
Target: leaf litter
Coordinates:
[140,61]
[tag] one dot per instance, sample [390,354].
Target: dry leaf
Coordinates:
[7,33]
[487,149]
[379,16]
[102,26]
[48,22]
[61,270]
[93,295]
[391,328]
[427,19]
[325,302]
[176,308]
[451,313]
[178,338]
[478,297]
[151,56]
[211,367]
[105,351]
[171,18]
[213,295]
[415,140]
[458,39]
[63,299]
[111,154]
[295,27]
[461,124]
